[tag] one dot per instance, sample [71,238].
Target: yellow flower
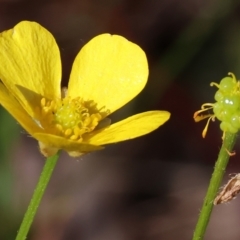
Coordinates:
[107,73]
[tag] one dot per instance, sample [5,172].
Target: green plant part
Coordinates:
[226,108]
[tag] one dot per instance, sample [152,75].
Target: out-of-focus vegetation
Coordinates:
[147,188]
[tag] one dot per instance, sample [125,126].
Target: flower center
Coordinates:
[71,118]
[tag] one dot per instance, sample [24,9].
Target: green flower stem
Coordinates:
[214,185]
[37,196]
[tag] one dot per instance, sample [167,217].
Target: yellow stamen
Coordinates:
[207,106]
[201,117]
[204,107]
[197,117]
[204,132]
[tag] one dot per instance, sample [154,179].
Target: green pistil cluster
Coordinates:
[227,106]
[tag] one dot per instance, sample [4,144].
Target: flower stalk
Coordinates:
[37,196]
[219,170]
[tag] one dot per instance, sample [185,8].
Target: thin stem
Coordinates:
[37,196]
[219,170]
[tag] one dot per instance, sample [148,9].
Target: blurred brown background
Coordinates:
[151,187]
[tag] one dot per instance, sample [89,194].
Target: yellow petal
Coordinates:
[65,144]
[109,70]
[30,59]
[16,110]
[132,127]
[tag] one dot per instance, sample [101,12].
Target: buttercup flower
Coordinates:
[107,73]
